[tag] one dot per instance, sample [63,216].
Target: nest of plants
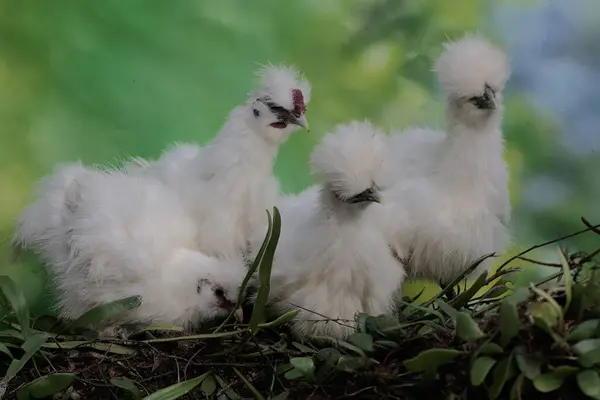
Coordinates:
[490,339]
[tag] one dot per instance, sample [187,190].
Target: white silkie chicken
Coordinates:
[449,203]
[332,260]
[109,235]
[228,184]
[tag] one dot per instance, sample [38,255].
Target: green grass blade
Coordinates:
[177,390]
[127,385]
[251,270]
[45,386]
[457,280]
[282,319]
[17,301]
[100,346]
[31,346]
[264,272]
[201,336]
[103,312]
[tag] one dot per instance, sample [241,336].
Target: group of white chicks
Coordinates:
[179,231]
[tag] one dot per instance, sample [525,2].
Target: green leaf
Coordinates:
[568,279]
[424,309]
[293,374]
[386,325]
[544,315]
[342,343]
[352,364]
[17,301]
[105,311]
[282,319]
[500,375]
[480,369]
[466,328]
[515,392]
[447,309]
[281,396]
[209,385]
[108,347]
[5,350]
[589,383]
[585,330]
[303,348]
[518,296]
[557,311]
[386,344]
[128,385]
[490,348]
[12,333]
[228,391]
[509,321]
[31,346]
[462,299]
[362,340]
[328,359]
[305,365]
[553,380]
[264,261]
[177,390]
[495,291]
[529,367]
[430,360]
[587,352]
[45,386]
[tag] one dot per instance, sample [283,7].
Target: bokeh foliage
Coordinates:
[99,81]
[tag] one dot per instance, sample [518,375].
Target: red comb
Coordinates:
[298,101]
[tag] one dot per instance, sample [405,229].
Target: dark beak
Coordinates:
[370,195]
[300,121]
[488,100]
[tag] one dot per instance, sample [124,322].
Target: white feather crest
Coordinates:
[469,63]
[351,158]
[277,81]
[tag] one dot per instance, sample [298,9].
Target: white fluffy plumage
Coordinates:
[449,203]
[109,235]
[332,261]
[228,184]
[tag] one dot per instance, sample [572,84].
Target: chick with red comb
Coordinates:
[228,184]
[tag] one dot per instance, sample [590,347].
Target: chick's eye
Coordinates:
[219,292]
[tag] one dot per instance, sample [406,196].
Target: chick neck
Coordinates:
[333,207]
[242,140]
[473,148]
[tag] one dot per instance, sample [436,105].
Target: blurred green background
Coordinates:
[99,81]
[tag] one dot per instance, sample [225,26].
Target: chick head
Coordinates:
[202,287]
[350,160]
[279,104]
[473,73]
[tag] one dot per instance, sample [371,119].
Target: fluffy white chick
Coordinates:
[43,224]
[228,184]
[449,204]
[332,260]
[120,235]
